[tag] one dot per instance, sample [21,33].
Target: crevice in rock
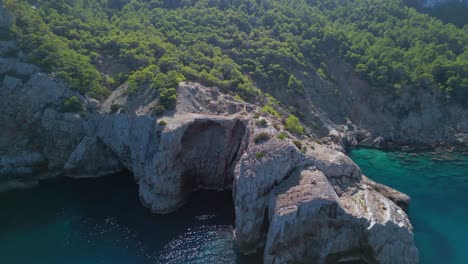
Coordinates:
[238,135]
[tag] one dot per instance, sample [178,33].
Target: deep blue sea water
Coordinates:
[438,186]
[101,221]
[94,221]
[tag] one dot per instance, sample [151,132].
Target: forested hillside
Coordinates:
[238,45]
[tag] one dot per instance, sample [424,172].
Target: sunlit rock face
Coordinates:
[297,199]
[304,212]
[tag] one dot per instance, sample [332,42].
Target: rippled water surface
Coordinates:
[438,186]
[93,221]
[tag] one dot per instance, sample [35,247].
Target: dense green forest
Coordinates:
[237,45]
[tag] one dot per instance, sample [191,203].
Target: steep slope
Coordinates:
[349,111]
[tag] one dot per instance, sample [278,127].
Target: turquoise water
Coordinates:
[94,221]
[438,186]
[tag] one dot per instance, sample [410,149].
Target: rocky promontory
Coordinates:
[299,200]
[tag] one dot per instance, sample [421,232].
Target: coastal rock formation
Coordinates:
[311,222]
[314,206]
[299,200]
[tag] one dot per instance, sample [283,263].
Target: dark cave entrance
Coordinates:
[209,153]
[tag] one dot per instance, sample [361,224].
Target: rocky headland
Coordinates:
[297,197]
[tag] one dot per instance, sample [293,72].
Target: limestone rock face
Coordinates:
[301,201]
[259,171]
[334,164]
[315,206]
[91,158]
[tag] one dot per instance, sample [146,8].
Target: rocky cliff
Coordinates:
[299,200]
[347,111]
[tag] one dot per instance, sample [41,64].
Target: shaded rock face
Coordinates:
[209,152]
[308,205]
[197,154]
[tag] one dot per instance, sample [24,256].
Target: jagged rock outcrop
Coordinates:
[311,222]
[314,206]
[301,201]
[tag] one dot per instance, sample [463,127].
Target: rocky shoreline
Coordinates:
[295,198]
[299,198]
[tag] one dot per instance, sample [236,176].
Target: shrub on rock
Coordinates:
[73,104]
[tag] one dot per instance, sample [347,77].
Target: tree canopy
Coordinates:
[238,45]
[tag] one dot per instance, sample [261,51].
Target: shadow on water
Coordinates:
[102,221]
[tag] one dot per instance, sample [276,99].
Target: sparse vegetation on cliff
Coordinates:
[73,104]
[261,137]
[293,125]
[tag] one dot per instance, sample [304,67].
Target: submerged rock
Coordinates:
[299,200]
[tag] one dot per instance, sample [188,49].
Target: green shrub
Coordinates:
[162,123]
[321,72]
[168,98]
[261,137]
[73,104]
[238,98]
[268,109]
[293,125]
[295,85]
[260,155]
[282,136]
